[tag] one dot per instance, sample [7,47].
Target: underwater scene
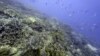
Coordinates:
[49,28]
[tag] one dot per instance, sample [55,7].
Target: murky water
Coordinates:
[82,15]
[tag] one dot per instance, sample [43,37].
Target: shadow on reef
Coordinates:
[30,33]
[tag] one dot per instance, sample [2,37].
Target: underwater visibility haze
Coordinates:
[49,28]
[82,15]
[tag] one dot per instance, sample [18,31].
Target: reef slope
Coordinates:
[25,32]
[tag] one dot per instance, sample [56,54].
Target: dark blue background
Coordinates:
[82,15]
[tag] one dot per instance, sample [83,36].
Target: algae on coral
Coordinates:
[23,33]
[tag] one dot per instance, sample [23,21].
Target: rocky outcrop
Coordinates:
[29,33]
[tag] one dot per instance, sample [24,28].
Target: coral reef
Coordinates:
[29,33]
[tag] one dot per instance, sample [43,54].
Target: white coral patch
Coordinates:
[92,47]
[32,19]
